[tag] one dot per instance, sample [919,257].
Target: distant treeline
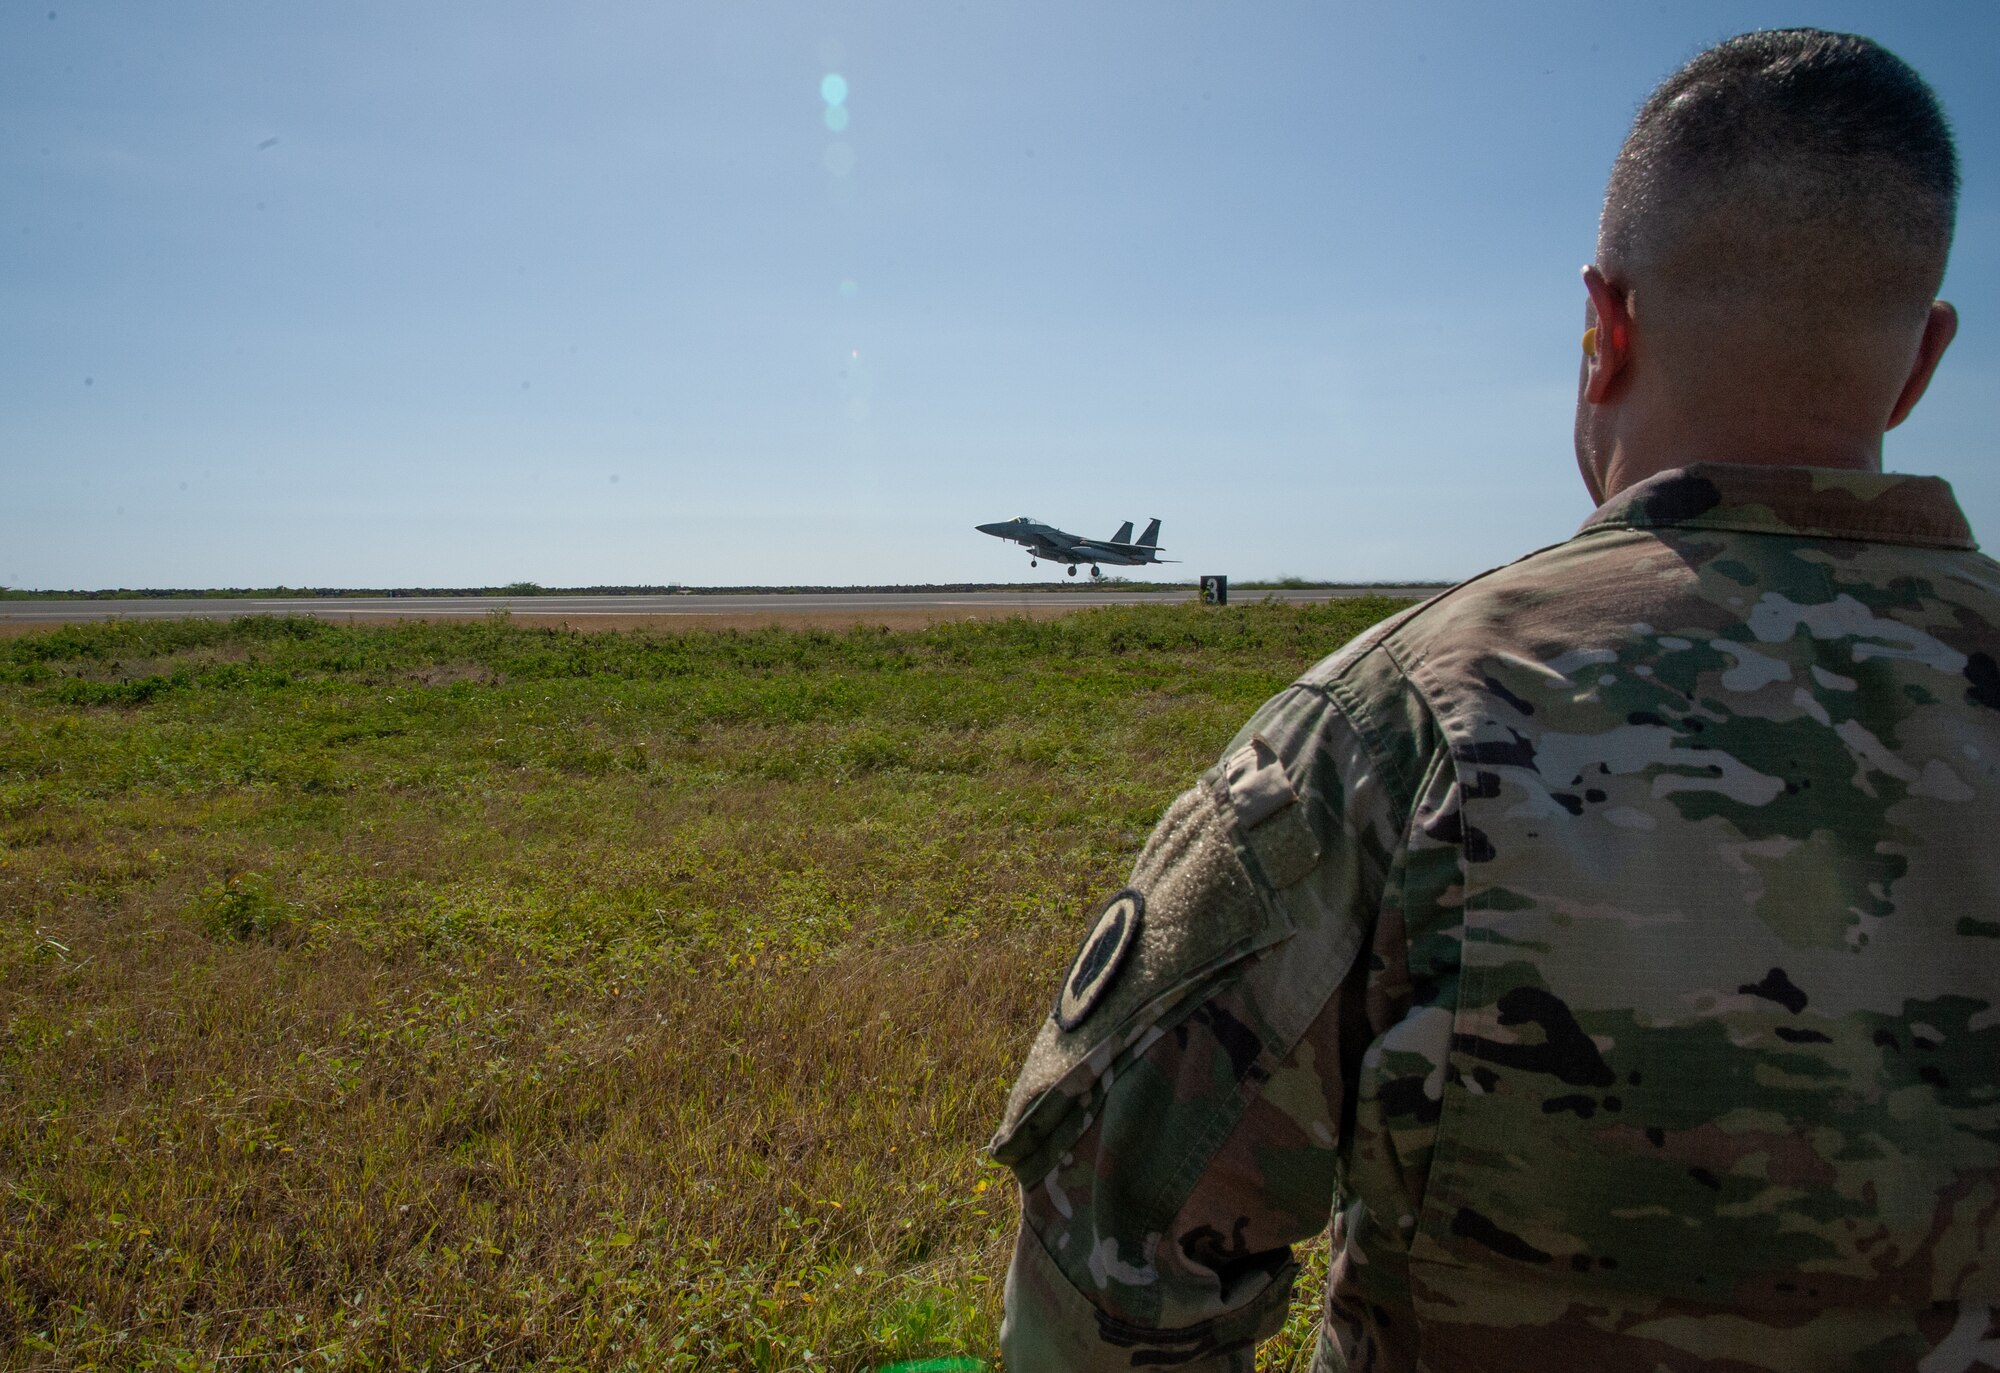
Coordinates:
[531,589]
[516,589]
[159,593]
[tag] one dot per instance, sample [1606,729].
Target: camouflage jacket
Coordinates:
[1608,945]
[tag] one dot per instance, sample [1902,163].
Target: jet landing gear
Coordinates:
[1094,571]
[1072,569]
[1033,563]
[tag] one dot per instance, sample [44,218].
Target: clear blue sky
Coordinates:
[466,293]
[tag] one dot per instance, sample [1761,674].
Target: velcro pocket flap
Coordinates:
[1273,823]
[1203,913]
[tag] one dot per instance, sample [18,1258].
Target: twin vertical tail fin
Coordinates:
[1149,539]
[1124,534]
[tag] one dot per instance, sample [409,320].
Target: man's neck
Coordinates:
[1633,462]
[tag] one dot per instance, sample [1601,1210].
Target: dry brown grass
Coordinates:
[419,1170]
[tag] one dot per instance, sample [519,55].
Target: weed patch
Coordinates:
[238,907]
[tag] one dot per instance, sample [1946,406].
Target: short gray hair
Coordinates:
[1784,155]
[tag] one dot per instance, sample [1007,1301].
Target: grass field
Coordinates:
[473,996]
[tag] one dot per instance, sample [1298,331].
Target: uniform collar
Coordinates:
[1809,502]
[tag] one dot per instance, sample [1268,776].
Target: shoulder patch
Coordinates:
[1099,958]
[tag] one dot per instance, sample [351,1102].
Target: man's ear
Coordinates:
[1612,353]
[1939,330]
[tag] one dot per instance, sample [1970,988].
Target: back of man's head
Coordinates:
[1782,192]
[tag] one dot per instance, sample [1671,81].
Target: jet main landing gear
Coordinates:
[1094,571]
[1072,569]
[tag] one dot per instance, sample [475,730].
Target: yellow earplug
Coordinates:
[1590,342]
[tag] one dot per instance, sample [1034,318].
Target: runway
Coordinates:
[687,610]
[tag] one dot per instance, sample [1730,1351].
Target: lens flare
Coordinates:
[836,117]
[833,88]
[838,159]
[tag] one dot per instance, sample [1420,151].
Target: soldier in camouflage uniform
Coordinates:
[1611,945]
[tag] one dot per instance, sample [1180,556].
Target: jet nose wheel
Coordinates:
[1033,563]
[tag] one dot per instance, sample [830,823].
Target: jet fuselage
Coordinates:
[1060,546]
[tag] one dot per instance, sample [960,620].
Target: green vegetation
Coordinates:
[474,996]
[1310,584]
[241,593]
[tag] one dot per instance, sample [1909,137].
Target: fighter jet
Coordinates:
[1046,541]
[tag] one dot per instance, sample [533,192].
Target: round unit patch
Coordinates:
[1097,963]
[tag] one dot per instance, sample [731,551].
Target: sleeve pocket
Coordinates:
[1203,914]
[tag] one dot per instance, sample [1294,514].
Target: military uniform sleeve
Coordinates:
[1176,1127]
